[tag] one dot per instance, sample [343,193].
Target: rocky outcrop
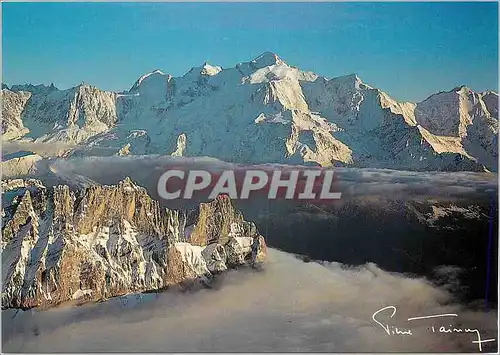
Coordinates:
[124,151]
[61,245]
[69,116]
[13,104]
[181,146]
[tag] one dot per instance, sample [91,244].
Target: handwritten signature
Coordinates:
[392,330]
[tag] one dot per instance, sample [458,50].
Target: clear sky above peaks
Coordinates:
[409,50]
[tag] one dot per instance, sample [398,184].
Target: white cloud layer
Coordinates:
[290,306]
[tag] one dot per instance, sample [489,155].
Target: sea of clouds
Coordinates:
[289,306]
[351,182]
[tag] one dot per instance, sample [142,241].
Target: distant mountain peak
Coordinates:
[351,80]
[462,88]
[210,70]
[205,69]
[156,72]
[267,59]
[36,89]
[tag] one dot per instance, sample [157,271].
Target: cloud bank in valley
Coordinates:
[352,182]
[289,306]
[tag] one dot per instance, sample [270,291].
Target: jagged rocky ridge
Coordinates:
[102,241]
[262,111]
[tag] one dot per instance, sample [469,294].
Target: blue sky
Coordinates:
[409,50]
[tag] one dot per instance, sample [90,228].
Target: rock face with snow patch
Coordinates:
[60,245]
[266,111]
[13,104]
[19,164]
[70,116]
[181,146]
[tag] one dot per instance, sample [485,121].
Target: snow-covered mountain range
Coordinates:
[261,111]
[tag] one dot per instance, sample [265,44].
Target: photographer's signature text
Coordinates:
[389,312]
